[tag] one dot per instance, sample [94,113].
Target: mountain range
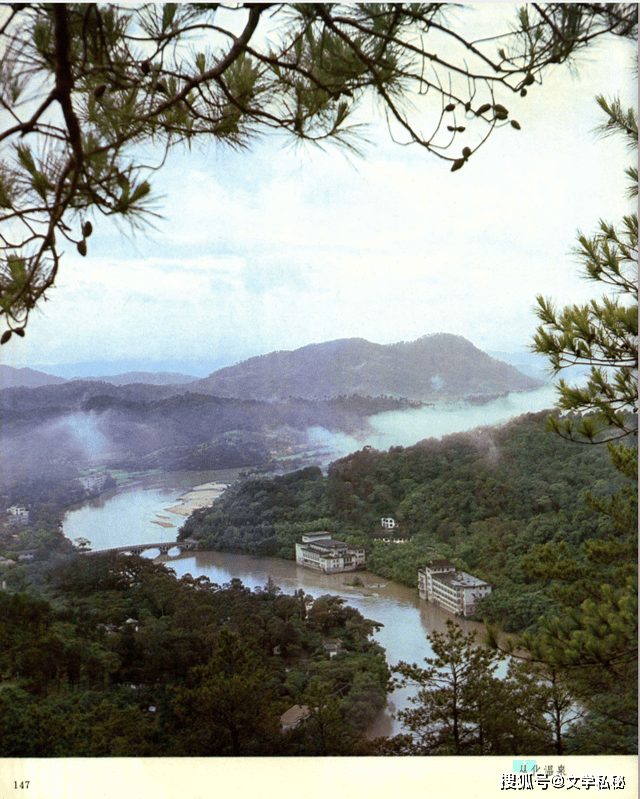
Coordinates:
[435,367]
[10,377]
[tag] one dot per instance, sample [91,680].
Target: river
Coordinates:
[405,428]
[141,515]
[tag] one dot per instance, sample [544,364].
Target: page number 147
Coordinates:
[24,784]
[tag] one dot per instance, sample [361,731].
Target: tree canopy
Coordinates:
[97,95]
[462,706]
[115,656]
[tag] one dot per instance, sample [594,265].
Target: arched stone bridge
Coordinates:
[138,549]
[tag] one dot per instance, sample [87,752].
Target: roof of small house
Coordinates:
[294,715]
[331,642]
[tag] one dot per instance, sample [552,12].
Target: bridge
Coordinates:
[138,549]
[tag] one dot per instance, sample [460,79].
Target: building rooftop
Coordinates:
[461,580]
[295,715]
[324,543]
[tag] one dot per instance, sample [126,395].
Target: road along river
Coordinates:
[147,515]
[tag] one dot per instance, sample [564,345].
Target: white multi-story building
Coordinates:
[456,591]
[94,482]
[321,552]
[18,514]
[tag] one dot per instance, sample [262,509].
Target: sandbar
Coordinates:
[200,496]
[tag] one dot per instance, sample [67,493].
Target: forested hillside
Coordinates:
[256,414]
[116,657]
[435,367]
[491,500]
[147,378]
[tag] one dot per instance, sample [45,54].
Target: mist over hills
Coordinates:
[435,367]
[284,405]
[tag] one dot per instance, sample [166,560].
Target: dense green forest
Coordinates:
[114,656]
[492,500]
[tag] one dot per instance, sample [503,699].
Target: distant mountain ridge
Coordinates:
[438,366]
[147,378]
[10,377]
[435,367]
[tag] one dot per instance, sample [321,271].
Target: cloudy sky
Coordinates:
[275,247]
